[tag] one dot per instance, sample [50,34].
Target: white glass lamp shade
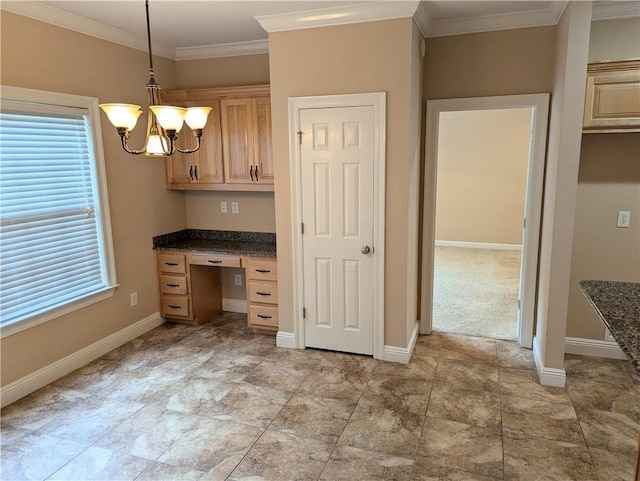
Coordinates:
[122,115]
[169,118]
[196,117]
[156,146]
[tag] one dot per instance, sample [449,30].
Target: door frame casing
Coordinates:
[377,100]
[539,103]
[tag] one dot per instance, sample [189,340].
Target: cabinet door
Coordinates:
[208,158]
[203,167]
[237,138]
[177,169]
[612,101]
[262,156]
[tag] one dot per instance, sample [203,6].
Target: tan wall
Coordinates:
[223,71]
[415,203]
[559,204]
[256,211]
[482,174]
[609,181]
[368,57]
[614,39]
[41,56]
[506,62]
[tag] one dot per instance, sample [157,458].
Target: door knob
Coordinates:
[365,249]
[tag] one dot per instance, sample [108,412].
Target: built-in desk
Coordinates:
[189,263]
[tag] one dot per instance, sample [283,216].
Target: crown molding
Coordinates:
[487,23]
[223,50]
[615,10]
[340,15]
[71,21]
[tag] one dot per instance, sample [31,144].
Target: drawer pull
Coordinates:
[173,306]
[263,317]
[263,293]
[263,271]
[170,263]
[173,285]
[214,262]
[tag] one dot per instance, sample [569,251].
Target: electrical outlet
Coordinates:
[134,298]
[223,207]
[624,216]
[234,208]
[238,278]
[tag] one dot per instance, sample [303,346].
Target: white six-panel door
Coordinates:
[337,175]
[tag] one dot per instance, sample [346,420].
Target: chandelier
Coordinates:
[164,121]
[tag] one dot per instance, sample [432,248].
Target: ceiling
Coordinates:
[199,29]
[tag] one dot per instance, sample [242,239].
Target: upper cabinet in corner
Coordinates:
[236,143]
[612,102]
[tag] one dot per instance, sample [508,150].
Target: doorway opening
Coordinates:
[480,192]
[484,169]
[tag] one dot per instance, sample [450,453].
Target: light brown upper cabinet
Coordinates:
[612,102]
[246,136]
[235,152]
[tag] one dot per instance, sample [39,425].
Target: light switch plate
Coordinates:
[234,208]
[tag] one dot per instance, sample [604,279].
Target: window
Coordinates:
[56,253]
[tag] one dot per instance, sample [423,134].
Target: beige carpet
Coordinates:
[476,292]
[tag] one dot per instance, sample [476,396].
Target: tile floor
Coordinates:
[216,402]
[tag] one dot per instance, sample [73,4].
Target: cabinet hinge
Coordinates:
[304,312]
[518,304]
[524,223]
[301,228]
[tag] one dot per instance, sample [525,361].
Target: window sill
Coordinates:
[18,326]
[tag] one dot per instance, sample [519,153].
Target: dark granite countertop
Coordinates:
[618,304]
[255,244]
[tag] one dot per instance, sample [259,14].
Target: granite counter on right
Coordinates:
[618,305]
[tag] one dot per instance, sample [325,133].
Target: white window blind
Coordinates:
[52,249]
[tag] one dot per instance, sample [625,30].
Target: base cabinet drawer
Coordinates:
[262,269]
[172,263]
[263,316]
[263,292]
[173,284]
[214,260]
[175,306]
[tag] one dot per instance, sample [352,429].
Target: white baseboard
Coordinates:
[548,376]
[40,378]
[286,339]
[402,355]
[593,347]
[479,245]
[234,305]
